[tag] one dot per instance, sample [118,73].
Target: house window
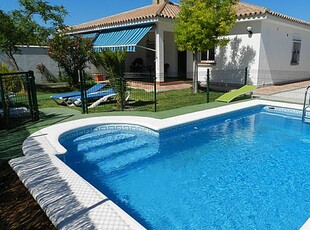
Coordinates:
[296,52]
[208,55]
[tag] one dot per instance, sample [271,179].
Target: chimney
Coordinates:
[156,2]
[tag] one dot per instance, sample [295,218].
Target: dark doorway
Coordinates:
[181,65]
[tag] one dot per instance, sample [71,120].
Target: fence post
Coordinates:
[246,75]
[83,93]
[208,85]
[122,92]
[27,75]
[155,94]
[33,90]
[4,104]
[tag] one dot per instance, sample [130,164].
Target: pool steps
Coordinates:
[104,142]
[110,153]
[110,149]
[97,134]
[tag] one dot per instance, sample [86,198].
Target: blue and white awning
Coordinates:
[121,38]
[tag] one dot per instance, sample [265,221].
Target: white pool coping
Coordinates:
[71,202]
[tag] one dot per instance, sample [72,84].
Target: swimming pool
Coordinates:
[248,169]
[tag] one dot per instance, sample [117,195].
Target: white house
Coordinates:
[266,42]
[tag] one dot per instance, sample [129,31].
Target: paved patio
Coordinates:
[160,87]
[268,90]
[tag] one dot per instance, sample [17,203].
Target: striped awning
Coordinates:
[121,38]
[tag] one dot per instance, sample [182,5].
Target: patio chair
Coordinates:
[63,97]
[228,97]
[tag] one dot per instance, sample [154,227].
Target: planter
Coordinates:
[98,77]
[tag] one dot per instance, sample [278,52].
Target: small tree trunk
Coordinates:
[11,56]
[195,73]
[75,79]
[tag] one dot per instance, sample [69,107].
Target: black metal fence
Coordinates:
[276,85]
[132,92]
[18,99]
[225,80]
[142,90]
[281,85]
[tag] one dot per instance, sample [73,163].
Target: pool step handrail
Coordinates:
[306,105]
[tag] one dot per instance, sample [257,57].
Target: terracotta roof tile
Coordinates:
[246,9]
[289,18]
[166,10]
[171,10]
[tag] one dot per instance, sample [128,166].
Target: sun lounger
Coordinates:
[106,98]
[16,112]
[228,97]
[97,98]
[65,96]
[76,100]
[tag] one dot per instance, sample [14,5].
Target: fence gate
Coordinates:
[18,99]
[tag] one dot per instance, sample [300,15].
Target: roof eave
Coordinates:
[285,17]
[113,25]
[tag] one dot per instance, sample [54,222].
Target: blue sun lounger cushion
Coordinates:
[63,97]
[93,96]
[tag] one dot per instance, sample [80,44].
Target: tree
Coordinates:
[113,63]
[19,27]
[201,25]
[71,53]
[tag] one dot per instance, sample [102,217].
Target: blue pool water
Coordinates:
[243,170]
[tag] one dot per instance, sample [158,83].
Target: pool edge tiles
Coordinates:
[88,129]
[224,117]
[93,209]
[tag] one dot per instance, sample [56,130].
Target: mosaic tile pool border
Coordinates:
[211,120]
[92,128]
[181,127]
[283,111]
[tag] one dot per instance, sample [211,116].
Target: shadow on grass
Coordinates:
[13,136]
[139,103]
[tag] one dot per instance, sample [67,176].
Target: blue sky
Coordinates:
[85,10]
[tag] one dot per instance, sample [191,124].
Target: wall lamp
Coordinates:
[249,29]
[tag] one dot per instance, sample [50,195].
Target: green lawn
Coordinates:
[139,100]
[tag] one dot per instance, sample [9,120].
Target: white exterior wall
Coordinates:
[169,49]
[171,57]
[276,51]
[29,58]
[267,53]
[243,50]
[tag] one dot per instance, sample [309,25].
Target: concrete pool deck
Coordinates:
[68,200]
